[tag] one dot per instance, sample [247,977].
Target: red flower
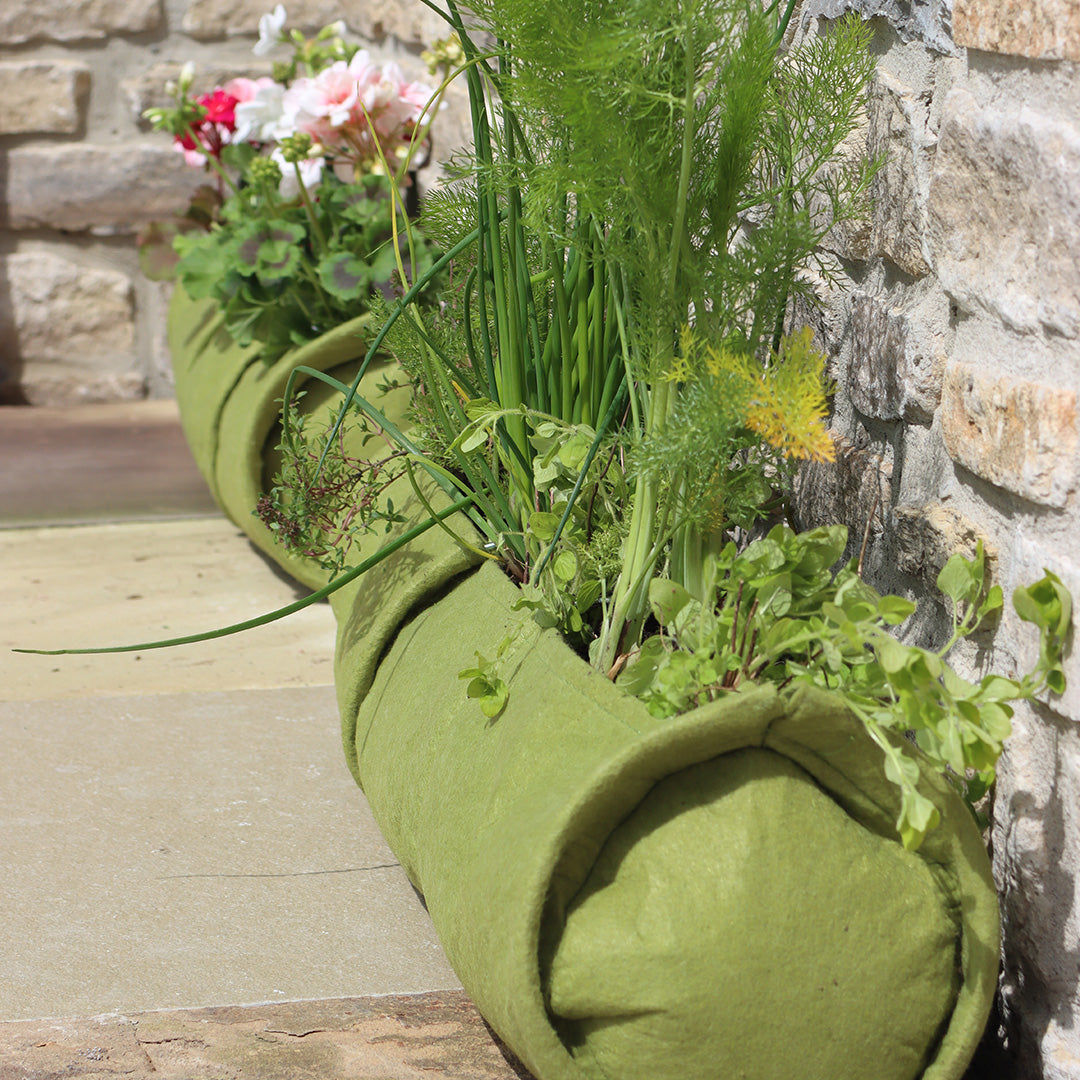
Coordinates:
[220,109]
[213,131]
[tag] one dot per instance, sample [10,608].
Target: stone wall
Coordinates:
[80,171]
[954,333]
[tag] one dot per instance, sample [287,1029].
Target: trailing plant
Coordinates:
[780,612]
[320,513]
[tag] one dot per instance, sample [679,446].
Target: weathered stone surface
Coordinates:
[927,536]
[1004,214]
[897,130]
[408,21]
[1037,870]
[227,18]
[62,385]
[925,20]
[404,1037]
[42,96]
[878,340]
[1019,435]
[891,376]
[56,309]
[855,490]
[101,189]
[1040,29]
[852,237]
[74,20]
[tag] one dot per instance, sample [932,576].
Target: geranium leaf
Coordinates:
[345,275]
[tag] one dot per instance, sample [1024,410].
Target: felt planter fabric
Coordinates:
[230,406]
[718,895]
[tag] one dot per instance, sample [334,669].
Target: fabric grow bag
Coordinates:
[720,895]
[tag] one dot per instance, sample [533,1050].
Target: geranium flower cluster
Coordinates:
[358,114]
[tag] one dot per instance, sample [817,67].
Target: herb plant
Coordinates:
[780,612]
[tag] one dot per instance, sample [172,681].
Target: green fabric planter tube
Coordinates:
[718,895]
[721,895]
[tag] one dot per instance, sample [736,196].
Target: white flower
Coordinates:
[186,77]
[270,27]
[310,172]
[257,119]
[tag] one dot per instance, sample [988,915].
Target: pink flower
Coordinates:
[331,108]
[245,89]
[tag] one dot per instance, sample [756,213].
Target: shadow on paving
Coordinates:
[399,1037]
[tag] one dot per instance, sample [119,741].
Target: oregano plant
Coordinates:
[778,612]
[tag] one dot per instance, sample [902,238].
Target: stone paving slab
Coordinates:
[179,836]
[97,463]
[386,1038]
[136,581]
[190,850]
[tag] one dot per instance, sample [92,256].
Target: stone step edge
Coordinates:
[396,1037]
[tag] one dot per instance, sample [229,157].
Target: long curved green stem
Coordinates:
[272,616]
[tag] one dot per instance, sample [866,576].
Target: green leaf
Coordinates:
[893,610]
[893,656]
[961,579]
[203,263]
[993,601]
[543,525]
[565,566]
[667,598]
[1047,604]
[345,276]
[588,593]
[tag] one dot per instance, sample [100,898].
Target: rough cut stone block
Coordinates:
[53,309]
[1037,871]
[855,490]
[102,189]
[75,20]
[926,21]
[890,375]
[897,125]
[928,535]
[62,385]
[850,238]
[221,18]
[42,96]
[407,20]
[1018,435]
[1004,229]
[1040,29]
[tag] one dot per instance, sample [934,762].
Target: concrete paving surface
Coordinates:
[191,883]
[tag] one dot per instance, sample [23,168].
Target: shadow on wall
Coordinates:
[1047,979]
[11,361]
